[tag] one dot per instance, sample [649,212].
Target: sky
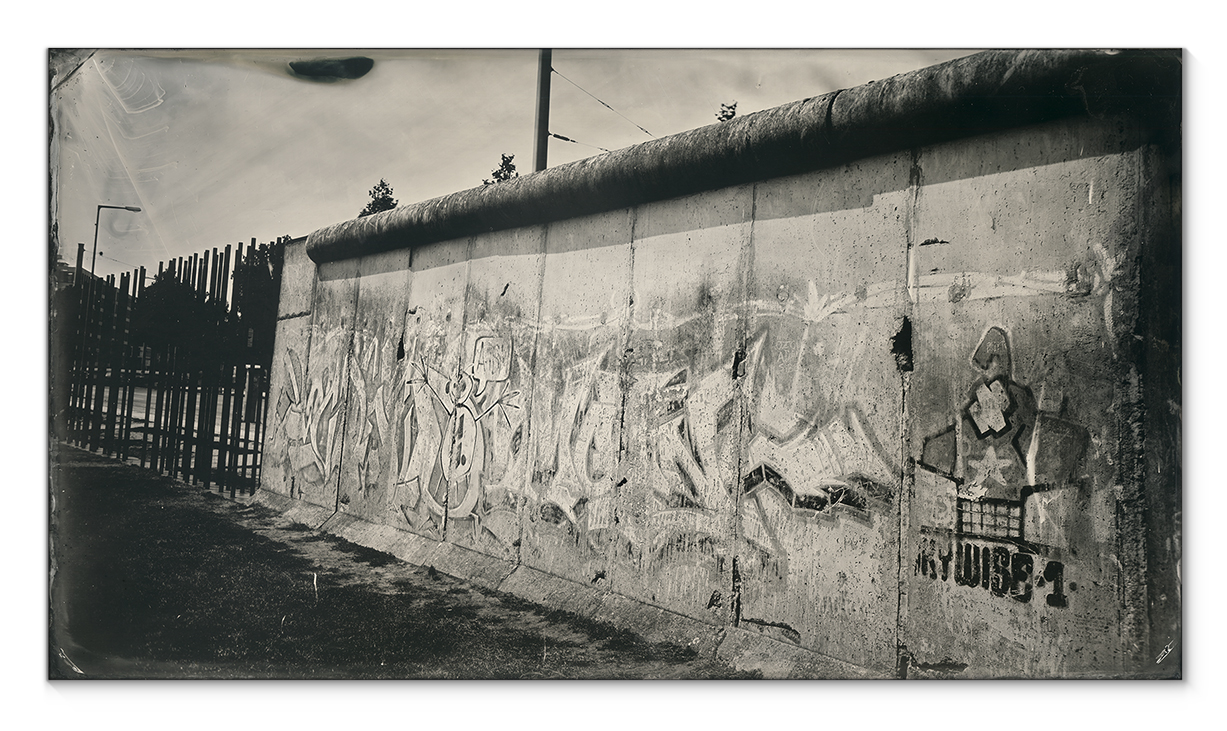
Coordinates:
[217,147]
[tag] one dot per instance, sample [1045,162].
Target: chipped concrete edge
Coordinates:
[742,649]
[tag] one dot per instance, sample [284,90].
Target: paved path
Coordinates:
[157,579]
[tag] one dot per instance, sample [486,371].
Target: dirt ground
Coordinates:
[152,578]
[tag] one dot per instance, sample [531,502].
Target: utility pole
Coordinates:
[542,129]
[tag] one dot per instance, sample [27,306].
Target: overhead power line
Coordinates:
[615,111]
[121,261]
[577,142]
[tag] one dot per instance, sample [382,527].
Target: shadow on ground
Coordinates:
[153,578]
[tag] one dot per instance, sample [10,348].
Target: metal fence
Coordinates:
[194,414]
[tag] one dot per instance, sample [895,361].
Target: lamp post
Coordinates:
[94,258]
[93,262]
[89,302]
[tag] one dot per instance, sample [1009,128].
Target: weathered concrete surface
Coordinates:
[372,415]
[682,421]
[491,412]
[578,392]
[298,277]
[828,295]
[326,386]
[915,412]
[1035,280]
[287,378]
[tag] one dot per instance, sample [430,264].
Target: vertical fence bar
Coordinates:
[188,413]
[223,448]
[155,395]
[208,408]
[180,408]
[83,373]
[247,419]
[261,419]
[236,422]
[129,353]
[125,366]
[77,391]
[166,428]
[172,421]
[121,362]
[213,272]
[168,417]
[205,264]
[143,370]
[176,424]
[189,424]
[163,409]
[114,352]
[95,426]
[165,438]
[238,262]
[87,368]
[200,469]
[115,367]
[183,425]
[147,432]
[172,426]
[148,378]
[215,380]
[223,285]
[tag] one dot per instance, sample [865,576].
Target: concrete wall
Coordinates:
[907,411]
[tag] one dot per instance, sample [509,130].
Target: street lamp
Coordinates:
[89,300]
[94,258]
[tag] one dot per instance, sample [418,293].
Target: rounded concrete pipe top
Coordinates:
[969,96]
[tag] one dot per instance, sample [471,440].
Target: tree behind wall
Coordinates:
[381,199]
[206,332]
[257,290]
[173,314]
[504,172]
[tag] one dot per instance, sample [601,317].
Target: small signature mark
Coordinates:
[1166,651]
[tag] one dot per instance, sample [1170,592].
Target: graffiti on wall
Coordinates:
[573,483]
[446,448]
[450,445]
[309,413]
[377,431]
[1000,453]
[1004,570]
[720,446]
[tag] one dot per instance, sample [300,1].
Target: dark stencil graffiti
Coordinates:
[852,491]
[1008,448]
[994,567]
[1002,450]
